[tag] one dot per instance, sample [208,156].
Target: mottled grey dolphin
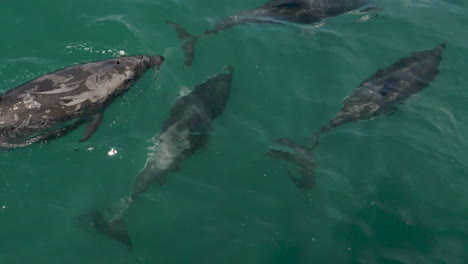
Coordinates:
[389,86]
[186,130]
[56,103]
[276,11]
[377,95]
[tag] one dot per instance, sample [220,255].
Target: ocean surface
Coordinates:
[392,190]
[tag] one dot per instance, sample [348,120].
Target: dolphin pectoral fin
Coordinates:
[63,131]
[92,126]
[95,222]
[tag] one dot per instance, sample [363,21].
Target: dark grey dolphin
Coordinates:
[186,130]
[276,11]
[387,87]
[375,96]
[56,103]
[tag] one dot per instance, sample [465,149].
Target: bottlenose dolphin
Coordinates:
[276,11]
[389,86]
[54,104]
[186,130]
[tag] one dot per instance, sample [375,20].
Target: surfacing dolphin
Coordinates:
[389,86]
[276,11]
[54,104]
[186,130]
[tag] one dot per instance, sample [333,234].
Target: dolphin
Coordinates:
[186,130]
[54,104]
[381,92]
[275,11]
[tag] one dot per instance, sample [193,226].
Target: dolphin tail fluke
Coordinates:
[95,222]
[302,156]
[189,43]
[119,232]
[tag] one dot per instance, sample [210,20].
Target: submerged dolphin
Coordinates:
[54,104]
[276,11]
[387,87]
[186,130]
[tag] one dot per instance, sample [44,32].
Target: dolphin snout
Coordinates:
[156,60]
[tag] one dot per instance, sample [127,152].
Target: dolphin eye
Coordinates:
[118,62]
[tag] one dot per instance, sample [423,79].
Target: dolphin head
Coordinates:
[214,92]
[156,60]
[112,76]
[138,63]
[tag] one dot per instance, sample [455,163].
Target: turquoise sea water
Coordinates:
[390,190]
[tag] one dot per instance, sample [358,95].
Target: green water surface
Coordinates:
[391,190]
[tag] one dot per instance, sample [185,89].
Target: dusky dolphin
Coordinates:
[54,104]
[377,95]
[186,130]
[389,86]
